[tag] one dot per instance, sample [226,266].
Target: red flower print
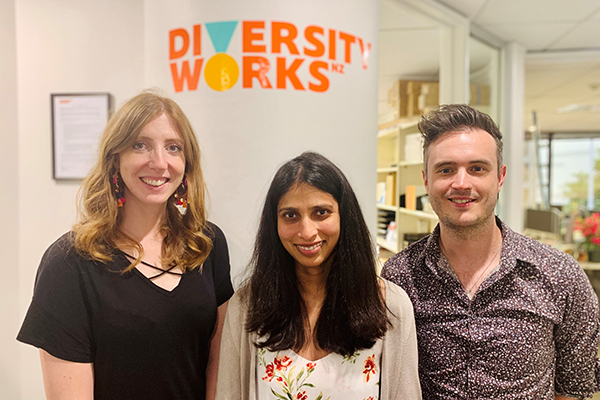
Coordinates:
[310,366]
[370,368]
[301,395]
[269,371]
[282,362]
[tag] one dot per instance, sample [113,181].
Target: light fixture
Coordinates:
[579,108]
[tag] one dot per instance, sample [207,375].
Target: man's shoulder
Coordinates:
[544,257]
[550,262]
[405,261]
[411,253]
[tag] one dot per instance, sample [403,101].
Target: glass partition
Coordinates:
[484,78]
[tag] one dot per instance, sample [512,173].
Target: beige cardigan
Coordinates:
[399,363]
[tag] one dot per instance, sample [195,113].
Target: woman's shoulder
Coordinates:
[239,300]
[61,263]
[220,250]
[396,299]
[237,310]
[213,231]
[63,255]
[62,248]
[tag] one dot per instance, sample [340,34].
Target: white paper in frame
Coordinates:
[78,120]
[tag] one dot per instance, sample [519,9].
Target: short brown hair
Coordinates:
[457,117]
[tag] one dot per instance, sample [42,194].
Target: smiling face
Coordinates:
[308,223]
[154,166]
[462,178]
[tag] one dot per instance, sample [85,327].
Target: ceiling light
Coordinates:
[579,108]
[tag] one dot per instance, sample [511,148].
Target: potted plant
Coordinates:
[590,229]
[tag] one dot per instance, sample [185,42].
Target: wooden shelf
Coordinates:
[411,163]
[590,266]
[387,207]
[393,247]
[387,133]
[418,214]
[396,153]
[401,123]
[387,170]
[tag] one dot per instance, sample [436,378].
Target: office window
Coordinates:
[574,170]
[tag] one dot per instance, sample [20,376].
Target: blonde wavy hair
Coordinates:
[97,230]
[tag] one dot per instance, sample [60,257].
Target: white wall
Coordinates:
[245,134]
[61,46]
[9,206]
[511,197]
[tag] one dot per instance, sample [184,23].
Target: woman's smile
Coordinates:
[308,224]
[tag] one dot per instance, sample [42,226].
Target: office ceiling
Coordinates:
[562,39]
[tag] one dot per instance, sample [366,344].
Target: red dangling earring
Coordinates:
[118,190]
[181,193]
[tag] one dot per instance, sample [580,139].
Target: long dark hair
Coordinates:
[353,315]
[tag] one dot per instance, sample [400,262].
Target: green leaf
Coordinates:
[287,380]
[278,395]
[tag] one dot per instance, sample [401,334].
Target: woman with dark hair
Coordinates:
[314,321]
[130,303]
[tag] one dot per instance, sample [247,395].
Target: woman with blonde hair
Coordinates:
[130,303]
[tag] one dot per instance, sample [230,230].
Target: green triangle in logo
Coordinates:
[220,34]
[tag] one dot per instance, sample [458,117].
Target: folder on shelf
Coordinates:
[411,197]
[381,193]
[390,192]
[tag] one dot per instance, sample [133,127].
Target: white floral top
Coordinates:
[284,375]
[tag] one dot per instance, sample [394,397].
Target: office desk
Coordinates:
[590,266]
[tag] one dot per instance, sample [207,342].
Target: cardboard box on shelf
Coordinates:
[429,97]
[413,91]
[410,98]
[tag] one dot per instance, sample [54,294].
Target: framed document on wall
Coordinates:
[78,120]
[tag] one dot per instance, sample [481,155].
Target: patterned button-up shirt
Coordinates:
[531,330]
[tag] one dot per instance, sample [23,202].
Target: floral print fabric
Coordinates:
[285,375]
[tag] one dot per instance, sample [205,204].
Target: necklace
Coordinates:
[163,271]
[481,275]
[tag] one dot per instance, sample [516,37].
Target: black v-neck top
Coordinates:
[145,342]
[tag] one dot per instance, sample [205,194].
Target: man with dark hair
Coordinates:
[499,315]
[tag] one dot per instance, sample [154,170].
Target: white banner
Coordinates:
[263,81]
